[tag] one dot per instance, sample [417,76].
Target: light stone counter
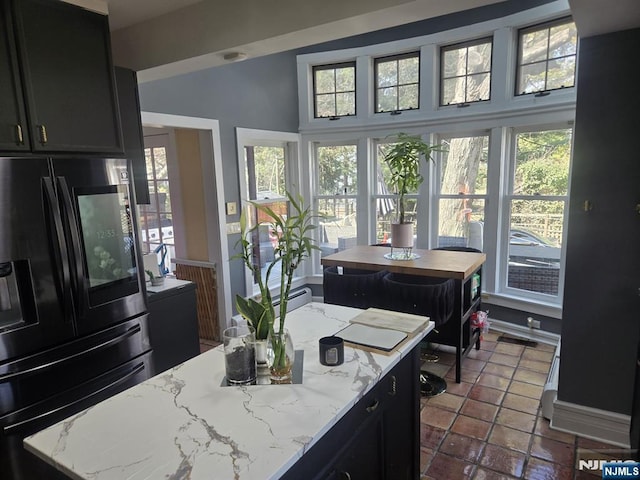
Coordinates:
[184,424]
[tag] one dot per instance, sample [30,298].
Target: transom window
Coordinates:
[397,82]
[334,90]
[466,72]
[547,57]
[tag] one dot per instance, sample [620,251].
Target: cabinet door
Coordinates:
[13,124]
[365,459]
[68,78]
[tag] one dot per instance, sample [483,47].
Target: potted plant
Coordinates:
[154,279]
[403,158]
[294,244]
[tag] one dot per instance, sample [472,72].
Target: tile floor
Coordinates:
[489,426]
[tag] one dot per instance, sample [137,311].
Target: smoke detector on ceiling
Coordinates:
[234,56]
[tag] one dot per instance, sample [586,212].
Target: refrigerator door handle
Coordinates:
[24,424]
[39,368]
[61,257]
[74,227]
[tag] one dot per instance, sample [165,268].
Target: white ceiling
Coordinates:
[161,38]
[124,13]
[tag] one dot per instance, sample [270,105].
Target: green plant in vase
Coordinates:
[403,158]
[294,244]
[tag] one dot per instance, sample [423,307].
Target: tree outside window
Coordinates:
[547,57]
[539,195]
[465,71]
[336,198]
[334,90]
[397,82]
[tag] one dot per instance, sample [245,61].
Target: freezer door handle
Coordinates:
[76,247]
[41,417]
[61,258]
[41,367]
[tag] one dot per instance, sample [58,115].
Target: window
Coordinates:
[462,191]
[268,164]
[536,209]
[336,196]
[547,57]
[156,219]
[334,89]
[397,82]
[466,72]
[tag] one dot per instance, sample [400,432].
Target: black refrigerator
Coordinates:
[73,315]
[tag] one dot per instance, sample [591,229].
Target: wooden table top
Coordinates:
[431,263]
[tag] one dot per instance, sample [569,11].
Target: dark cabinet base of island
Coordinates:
[378,439]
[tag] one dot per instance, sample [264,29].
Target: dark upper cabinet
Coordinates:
[13,119]
[67,76]
[129,104]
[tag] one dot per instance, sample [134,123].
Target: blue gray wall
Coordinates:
[261,93]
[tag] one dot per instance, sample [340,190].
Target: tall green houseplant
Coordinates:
[403,158]
[294,244]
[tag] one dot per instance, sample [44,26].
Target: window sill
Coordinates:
[518,303]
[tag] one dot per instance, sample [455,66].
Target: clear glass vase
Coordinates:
[280,356]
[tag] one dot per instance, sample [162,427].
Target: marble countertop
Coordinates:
[184,424]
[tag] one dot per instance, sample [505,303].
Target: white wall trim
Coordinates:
[215,216]
[524,332]
[593,423]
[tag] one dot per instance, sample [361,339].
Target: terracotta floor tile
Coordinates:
[526,389]
[430,437]
[544,347]
[537,355]
[528,376]
[468,376]
[471,427]
[514,419]
[552,450]
[462,447]
[488,346]
[510,438]
[437,417]
[486,394]
[461,388]
[594,444]
[502,359]
[509,349]
[493,381]
[473,364]
[446,358]
[443,466]
[523,404]
[446,401]
[437,368]
[492,336]
[426,455]
[503,460]
[541,470]
[480,410]
[499,370]
[483,474]
[543,429]
[542,367]
[483,355]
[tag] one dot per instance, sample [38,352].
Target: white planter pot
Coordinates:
[402,235]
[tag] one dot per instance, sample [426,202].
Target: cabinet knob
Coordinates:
[43,134]
[373,406]
[345,475]
[19,135]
